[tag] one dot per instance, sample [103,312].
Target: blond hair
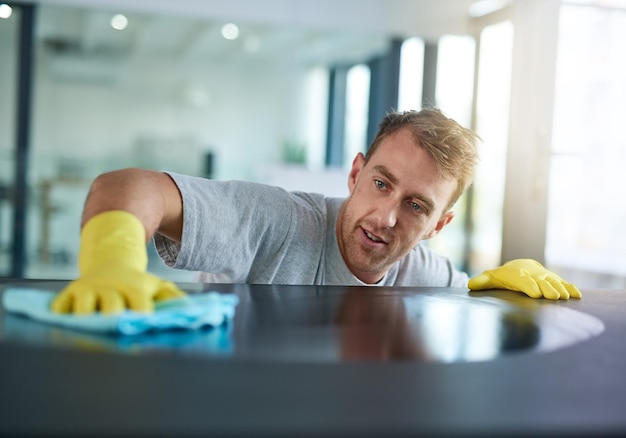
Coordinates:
[450,145]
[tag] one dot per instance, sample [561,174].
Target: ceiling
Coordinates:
[304,31]
[77,39]
[72,32]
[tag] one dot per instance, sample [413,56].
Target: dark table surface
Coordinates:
[330,361]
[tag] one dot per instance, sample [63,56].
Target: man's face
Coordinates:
[396,199]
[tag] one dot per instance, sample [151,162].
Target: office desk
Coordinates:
[331,361]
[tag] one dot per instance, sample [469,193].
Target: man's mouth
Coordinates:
[373,238]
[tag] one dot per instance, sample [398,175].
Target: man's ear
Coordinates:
[445,220]
[357,165]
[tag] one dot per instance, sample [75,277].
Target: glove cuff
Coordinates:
[113,238]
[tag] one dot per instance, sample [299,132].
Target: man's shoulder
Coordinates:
[319,201]
[423,267]
[423,255]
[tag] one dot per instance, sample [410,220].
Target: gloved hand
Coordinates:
[527,276]
[113,263]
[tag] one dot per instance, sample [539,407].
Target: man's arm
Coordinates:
[149,195]
[123,210]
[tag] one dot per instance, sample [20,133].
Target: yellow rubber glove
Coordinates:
[527,276]
[113,263]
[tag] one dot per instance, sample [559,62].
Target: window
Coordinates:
[492,125]
[357,100]
[454,95]
[411,74]
[587,212]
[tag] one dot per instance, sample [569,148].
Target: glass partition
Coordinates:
[9,28]
[206,97]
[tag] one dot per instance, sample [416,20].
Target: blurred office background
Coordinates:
[286,92]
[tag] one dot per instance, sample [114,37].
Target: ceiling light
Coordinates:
[5,11]
[119,22]
[230,31]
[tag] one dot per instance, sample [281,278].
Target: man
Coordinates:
[400,194]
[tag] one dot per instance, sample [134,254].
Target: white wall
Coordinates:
[249,113]
[530,135]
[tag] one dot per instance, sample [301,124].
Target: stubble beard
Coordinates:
[355,255]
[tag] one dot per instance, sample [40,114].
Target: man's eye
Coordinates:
[379,184]
[415,206]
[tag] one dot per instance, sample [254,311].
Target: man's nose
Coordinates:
[387,212]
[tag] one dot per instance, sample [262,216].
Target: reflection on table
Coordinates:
[344,324]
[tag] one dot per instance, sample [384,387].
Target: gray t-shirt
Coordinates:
[243,232]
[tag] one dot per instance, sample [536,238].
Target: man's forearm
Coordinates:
[149,195]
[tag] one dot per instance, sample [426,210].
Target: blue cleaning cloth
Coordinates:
[192,312]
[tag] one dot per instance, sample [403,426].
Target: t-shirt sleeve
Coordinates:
[227,225]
